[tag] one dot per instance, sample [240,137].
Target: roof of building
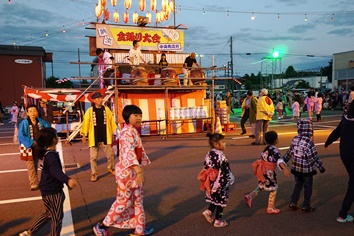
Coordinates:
[26,51]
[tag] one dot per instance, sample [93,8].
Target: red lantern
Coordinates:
[116,17]
[106,14]
[127,4]
[164,4]
[126,17]
[152,5]
[142,5]
[114,2]
[104,3]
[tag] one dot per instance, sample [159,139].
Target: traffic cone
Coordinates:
[218,128]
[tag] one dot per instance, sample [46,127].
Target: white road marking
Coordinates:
[20,200]
[7,144]
[12,171]
[10,154]
[316,144]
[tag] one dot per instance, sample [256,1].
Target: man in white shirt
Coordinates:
[135,54]
[105,67]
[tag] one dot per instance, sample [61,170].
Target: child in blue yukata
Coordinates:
[303,154]
[216,178]
[264,169]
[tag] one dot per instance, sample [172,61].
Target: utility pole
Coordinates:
[231,64]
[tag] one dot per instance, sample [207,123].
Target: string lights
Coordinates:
[252,17]
[305,17]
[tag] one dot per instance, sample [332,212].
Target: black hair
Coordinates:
[135,42]
[280,100]
[32,105]
[163,54]
[98,51]
[214,138]
[271,137]
[352,88]
[249,93]
[128,110]
[46,139]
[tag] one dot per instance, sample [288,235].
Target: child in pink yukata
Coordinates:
[216,178]
[127,210]
[264,169]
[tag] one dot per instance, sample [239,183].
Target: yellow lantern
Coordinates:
[157,16]
[126,17]
[172,6]
[98,10]
[162,16]
[148,15]
[135,17]
[152,5]
[167,13]
[164,4]
[115,17]
[114,2]
[127,4]
[142,5]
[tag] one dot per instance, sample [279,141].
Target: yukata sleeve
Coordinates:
[144,157]
[279,159]
[126,143]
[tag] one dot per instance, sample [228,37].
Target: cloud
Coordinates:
[292,2]
[303,28]
[342,32]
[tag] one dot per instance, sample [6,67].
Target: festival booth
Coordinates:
[168,106]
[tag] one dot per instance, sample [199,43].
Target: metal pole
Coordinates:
[212,96]
[78,55]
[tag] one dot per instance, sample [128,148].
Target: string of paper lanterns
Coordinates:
[167,6]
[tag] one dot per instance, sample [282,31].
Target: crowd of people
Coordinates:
[38,141]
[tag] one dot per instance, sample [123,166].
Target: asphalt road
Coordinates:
[173,202]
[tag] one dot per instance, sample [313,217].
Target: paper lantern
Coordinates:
[115,17]
[106,14]
[98,10]
[167,13]
[164,4]
[142,5]
[171,5]
[152,5]
[135,17]
[114,2]
[148,15]
[127,4]
[104,3]
[157,16]
[126,17]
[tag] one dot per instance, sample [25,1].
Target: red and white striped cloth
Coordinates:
[59,81]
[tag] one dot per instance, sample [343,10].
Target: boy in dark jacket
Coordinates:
[303,154]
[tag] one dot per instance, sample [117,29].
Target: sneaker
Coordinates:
[308,209]
[207,215]
[34,187]
[147,231]
[248,200]
[94,177]
[348,219]
[220,223]
[243,132]
[293,207]
[254,143]
[99,231]
[25,233]
[252,136]
[112,172]
[273,210]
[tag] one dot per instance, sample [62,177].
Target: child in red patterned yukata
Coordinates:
[219,177]
[127,211]
[264,169]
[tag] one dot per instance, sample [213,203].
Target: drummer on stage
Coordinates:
[135,55]
[188,65]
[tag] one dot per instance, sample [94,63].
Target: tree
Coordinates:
[302,84]
[290,72]
[51,83]
[327,70]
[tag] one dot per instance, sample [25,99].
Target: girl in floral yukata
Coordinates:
[127,211]
[219,177]
[264,169]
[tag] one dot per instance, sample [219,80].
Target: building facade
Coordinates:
[343,70]
[21,65]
